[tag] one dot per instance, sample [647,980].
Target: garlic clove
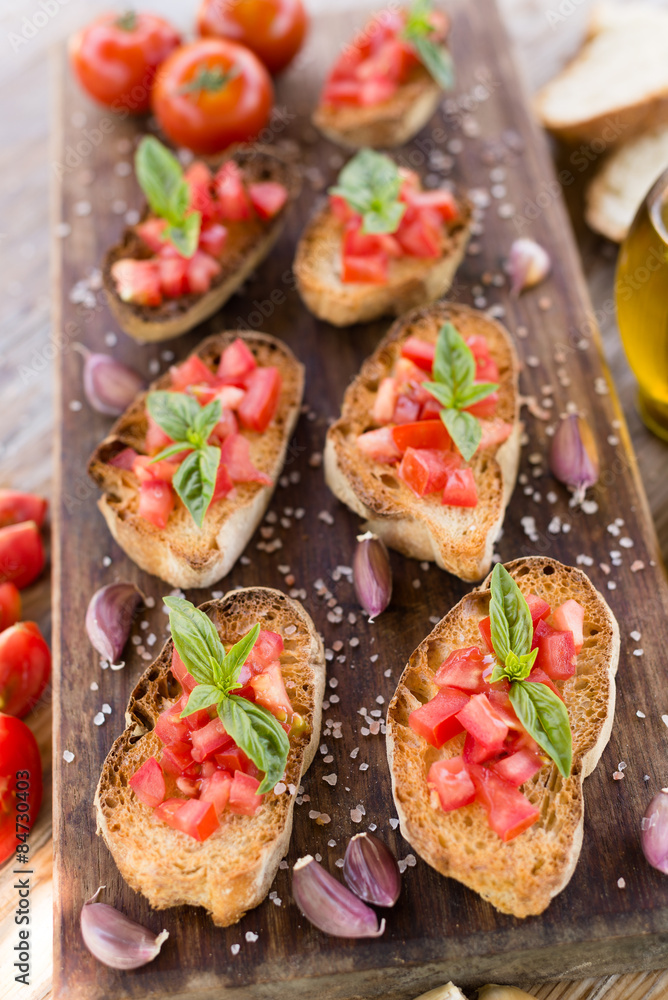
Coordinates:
[495,992]
[109,385]
[329,905]
[528,263]
[372,574]
[114,939]
[371,870]
[109,618]
[573,455]
[654,832]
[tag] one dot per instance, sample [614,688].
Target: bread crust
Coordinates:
[459,540]
[522,876]
[248,243]
[232,871]
[387,125]
[182,554]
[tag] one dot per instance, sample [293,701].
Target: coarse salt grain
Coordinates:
[618,775]
[641,715]
[394,823]
[621,883]
[638,652]
[99,719]
[68,756]
[331,779]
[235,947]
[251,936]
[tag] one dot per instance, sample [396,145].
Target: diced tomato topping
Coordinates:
[176,759]
[509,813]
[151,232]
[196,817]
[227,425]
[233,758]
[244,798]
[500,701]
[518,768]
[385,401]
[267,198]
[156,439]
[18,507]
[168,809]
[190,372]
[268,648]
[359,244]
[21,554]
[146,470]
[202,269]
[196,720]
[340,208]
[538,608]
[224,484]
[212,238]
[156,502]
[421,236]
[483,722]
[263,390]
[420,352]
[569,617]
[452,782]
[178,668]
[125,459]
[538,676]
[485,627]
[406,410]
[484,407]
[270,692]
[463,669]
[460,489]
[437,720]
[475,752]
[199,180]
[494,432]
[407,374]
[233,202]
[10,605]
[556,651]
[426,470]
[137,281]
[369,270]
[235,454]
[188,786]
[170,727]
[431,409]
[148,783]
[236,362]
[209,740]
[379,445]
[430,434]
[216,789]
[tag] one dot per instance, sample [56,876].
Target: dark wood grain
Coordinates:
[439,929]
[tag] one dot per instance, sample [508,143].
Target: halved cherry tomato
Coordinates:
[137,281]
[273,29]
[10,605]
[212,93]
[422,434]
[460,489]
[21,554]
[20,784]
[156,502]
[17,507]
[116,57]
[148,783]
[25,668]
[267,198]
[258,407]
[452,782]
[437,720]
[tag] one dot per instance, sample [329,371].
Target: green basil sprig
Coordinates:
[189,424]
[455,389]
[541,712]
[252,727]
[370,183]
[160,177]
[433,55]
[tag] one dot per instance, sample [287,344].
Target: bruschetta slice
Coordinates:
[186,513]
[388,81]
[391,458]
[381,245]
[178,801]
[200,236]
[487,791]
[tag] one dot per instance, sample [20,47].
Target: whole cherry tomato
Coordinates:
[16,507]
[25,667]
[212,93]
[20,785]
[10,605]
[21,554]
[273,29]
[115,58]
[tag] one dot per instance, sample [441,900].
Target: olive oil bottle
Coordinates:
[641,295]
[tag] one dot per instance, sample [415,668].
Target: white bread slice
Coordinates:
[458,539]
[232,871]
[616,192]
[522,876]
[183,554]
[412,281]
[248,243]
[617,85]
[383,126]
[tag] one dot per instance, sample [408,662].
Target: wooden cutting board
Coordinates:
[613,916]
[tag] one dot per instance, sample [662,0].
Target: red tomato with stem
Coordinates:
[116,57]
[20,784]
[273,29]
[17,507]
[212,93]
[21,554]
[10,605]
[25,667]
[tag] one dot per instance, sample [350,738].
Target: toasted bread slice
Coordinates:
[183,554]
[248,243]
[232,871]
[522,876]
[458,539]
[616,192]
[387,125]
[413,281]
[591,100]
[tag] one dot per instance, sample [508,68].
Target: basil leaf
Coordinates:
[195,480]
[510,618]
[544,716]
[464,430]
[498,674]
[527,661]
[160,177]
[185,236]
[235,659]
[206,420]
[370,183]
[454,364]
[259,735]
[175,412]
[196,639]
[201,697]
[441,392]
[478,391]
[384,220]
[435,58]
[171,450]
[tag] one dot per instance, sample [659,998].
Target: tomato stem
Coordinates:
[211,80]
[127,21]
